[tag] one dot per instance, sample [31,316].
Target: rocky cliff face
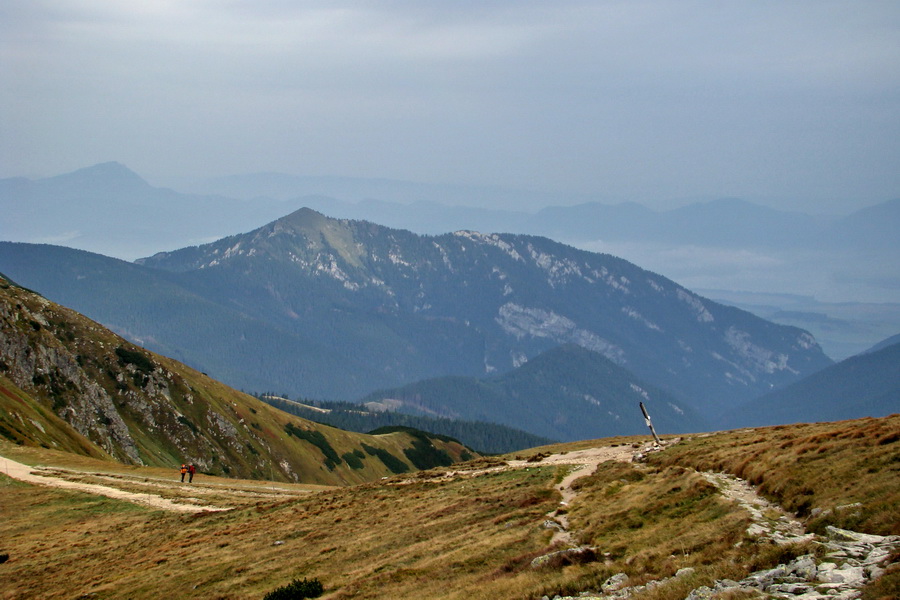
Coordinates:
[33,358]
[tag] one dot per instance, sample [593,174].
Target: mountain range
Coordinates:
[76,206]
[568,392]
[727,246]
[336,309]
[863,385]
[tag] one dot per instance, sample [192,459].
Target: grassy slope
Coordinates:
[173,413]
[812,466]
[471,537]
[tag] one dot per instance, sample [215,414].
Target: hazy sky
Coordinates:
[637,100]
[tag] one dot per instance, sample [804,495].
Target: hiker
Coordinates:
[191,471]
[184,470]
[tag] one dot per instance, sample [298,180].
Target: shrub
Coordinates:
[297,589]
[317,439]
[187,423]
[353,459]
[394,464]
[133,357]
[425,456]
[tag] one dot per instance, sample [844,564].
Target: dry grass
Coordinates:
[425,537]
[822,466]
[389,540]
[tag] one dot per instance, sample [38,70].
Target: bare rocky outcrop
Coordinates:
[51,370]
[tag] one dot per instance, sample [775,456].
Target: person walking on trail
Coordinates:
[191,471]
[184,470]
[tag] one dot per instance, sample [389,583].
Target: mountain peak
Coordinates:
[107,177]
[303,218]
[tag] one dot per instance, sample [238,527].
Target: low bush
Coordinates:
[296,590]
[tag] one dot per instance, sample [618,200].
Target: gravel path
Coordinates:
[33,475]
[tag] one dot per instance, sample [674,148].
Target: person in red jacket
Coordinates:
[191,471]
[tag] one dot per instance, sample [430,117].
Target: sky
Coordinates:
[788,103]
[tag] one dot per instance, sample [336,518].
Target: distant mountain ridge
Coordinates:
[223,205]
[866,385]
[566,393]
[110,209]
[894,339]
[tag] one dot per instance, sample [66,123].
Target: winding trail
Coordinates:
[34,475]
[585,462]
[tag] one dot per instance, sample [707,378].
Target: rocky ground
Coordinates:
[853,559]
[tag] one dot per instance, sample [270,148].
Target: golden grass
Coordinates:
[821,466]
[390,540]
[429,537]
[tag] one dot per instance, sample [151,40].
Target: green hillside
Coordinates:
[67,383]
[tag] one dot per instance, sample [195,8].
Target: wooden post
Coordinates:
[650,424]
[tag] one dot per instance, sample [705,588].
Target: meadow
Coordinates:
[469,531]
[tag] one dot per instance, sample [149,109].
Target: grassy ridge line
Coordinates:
[485,438]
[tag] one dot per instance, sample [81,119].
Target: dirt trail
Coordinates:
[586,462]
[33,475]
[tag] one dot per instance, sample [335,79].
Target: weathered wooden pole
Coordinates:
[650,424]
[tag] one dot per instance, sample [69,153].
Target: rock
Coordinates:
[551,524]
[685,572]
[701,593]
[726,584]
[804,567]
[850,576]
[876,556]
[789,588]
[763,579]
[614,583]
[582,554]
[845,535]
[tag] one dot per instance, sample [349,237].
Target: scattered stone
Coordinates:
[614,583]
[580,554]
[855,558]
[701,593]
[845,535]
[551,524]
[805,567]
